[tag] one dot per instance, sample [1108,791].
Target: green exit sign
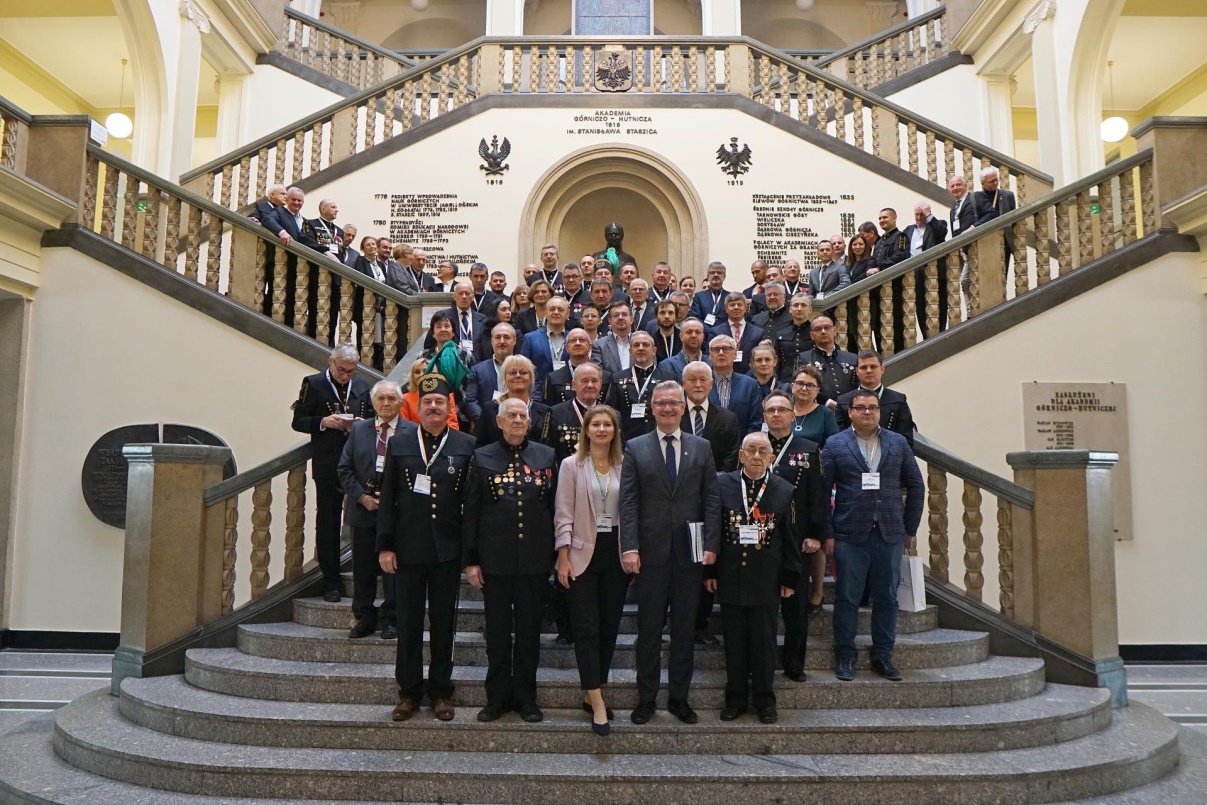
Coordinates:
[1095,209]
[142,206]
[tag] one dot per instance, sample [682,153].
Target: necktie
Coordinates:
[383,439]
[698,420]
[465,331]
[723,391]
[737,333]
[671,472]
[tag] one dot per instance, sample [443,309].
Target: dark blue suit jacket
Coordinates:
[672,367]
[537,349]
[745,400]
[702,305]
[358,466]
[482,385]
[854,507]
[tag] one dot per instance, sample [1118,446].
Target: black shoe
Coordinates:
[531,713]
[706,638]
[767,715]
[363,628]
[564,640]
[730,712]
[492,712]
[643,712]
[681,710]
[815,609]
[603,729]
[389,632]
[589,709]
[796,676]
[884,666]
[332,596]
[845,670]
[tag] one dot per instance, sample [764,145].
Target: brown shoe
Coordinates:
[443,709]
[404,710]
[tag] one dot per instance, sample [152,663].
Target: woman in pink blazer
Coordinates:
[586,522]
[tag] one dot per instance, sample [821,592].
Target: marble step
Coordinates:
[469,593]
[293,641]
[996,679]
[471,618]
[1138,747]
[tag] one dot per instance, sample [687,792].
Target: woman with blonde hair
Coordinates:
[410,399]
[519,375]
[586,524]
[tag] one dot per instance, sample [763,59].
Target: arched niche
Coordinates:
[572,189]
[152,143]
[431,33]
[598,203]
[794,34]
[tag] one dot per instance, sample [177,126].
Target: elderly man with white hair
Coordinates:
[926,232]
[991,201]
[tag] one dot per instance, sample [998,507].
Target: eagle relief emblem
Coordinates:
[494,155]
[734,161]
[614,74]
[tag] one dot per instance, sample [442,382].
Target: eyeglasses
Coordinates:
[801,384]
[668,404]
[865,409]
[777,409]
[720,349]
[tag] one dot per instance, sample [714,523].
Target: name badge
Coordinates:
[380,466]
[603,522]
[638,411]
[748,535]
[467,345]
[955,225]
[738,358]
[820,295]
[333,248]
[423,485]
[710,320]
[871,480]
[559,365]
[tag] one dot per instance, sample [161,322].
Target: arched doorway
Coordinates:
[661,212]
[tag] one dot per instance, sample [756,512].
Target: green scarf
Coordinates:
[447,362]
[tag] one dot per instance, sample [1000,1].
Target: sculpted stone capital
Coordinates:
[191,10]
[1044,10]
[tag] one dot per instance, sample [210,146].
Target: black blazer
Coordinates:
[653,516]
[525,320]
[264,213]
[664,347]
[507,528]
[801,467]
[934,234]
[316,234]
[357,469]
[557,386]
[564,429]
[477,323]
[750,576]
[992,205]
[417,526]
[488,430]
[722,432]
[624,394]
[966,215]
[894,413]
[647,316]
[316,399]
[891,248]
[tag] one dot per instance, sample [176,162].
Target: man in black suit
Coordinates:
[643,308]
[719,426]
[324,236]
[667,341]
[895,414]
[485,301]
[576,293]
[423,491]
[549,270]
[327,405]
[670,526]
[758,272]
[266,209]
[758,566]
[286,223]
[360,470]
[962,217]
[467,321]
[992,202]
[566,418]
[498,285]
[633,387]
[426,282]
[557,387]
[776,315]
[508,553]
[795,336]
[926,232]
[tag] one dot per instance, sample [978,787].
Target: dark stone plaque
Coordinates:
[105,473]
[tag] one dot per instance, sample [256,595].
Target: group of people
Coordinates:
[686,445]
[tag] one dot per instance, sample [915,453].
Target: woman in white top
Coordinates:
[586,523]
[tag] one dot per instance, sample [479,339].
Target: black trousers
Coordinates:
[704,610]
[365,570]
[749,654]
[796,629]
[596,603]
[677,586]
[328,516]
[514,606]
[434,585]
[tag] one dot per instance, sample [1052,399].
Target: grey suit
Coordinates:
[654,522]
[606,354]
[400,278]
[828,279]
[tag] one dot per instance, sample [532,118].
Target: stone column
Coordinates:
[721,17]
[505,18]
[172,575]
[1178,168]
[1064,562]
[1049,95]
[193,24]
[232,101]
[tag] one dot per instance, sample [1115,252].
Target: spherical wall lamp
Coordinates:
[419,5]
[1114,128]
[804,5]
[119,124]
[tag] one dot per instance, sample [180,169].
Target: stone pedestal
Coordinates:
[172,575]
[1064,561]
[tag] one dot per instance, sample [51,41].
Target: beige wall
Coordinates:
[276,99]
[829,25]
[444,24]
[951,98]
[550,18]
[1146,329]
[107,351]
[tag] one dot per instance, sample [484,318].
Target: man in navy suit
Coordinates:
[467,321]
[484,384]
[745,335]
[547,348]
[360,469]
[691,333]
[708,305]
[739,393]
[869,468]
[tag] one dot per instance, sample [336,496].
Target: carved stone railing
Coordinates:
[418,56]
[14,131]
[997,515]
[232,255]
[287,475]
[891,53]
[586,66]
[903,306]
[337,53]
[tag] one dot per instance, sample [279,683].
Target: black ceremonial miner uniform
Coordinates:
[630,389]
[894,412]
[325,238]
[749,577]
[557,385]
[837,371]
[508,531]
[319,397]
[424,530]
[792,342]
[565,425]
[798,463]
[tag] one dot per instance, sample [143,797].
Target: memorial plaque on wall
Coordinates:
[106,472]
[1084,416]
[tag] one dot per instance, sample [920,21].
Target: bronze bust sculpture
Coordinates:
[616,257]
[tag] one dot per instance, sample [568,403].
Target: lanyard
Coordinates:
[423,450]
[666,344]
[478,300]
[775,464]
[745,497]
[869,457]
[575,407]
[604,486]
[343,401]
[645,385]
[716,301]
[555,351]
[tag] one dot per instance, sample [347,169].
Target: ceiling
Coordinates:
[1151,54]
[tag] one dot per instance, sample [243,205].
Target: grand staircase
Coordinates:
[298,711]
